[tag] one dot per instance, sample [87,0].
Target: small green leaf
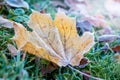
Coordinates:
[19,12]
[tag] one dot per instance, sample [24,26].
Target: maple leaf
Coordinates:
[56,41]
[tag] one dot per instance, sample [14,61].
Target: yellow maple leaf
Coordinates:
[56,41]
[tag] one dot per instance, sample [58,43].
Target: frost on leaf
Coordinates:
[56,41]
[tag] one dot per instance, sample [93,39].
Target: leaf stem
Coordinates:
[95,78]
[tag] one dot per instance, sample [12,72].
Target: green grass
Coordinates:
[102,63]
